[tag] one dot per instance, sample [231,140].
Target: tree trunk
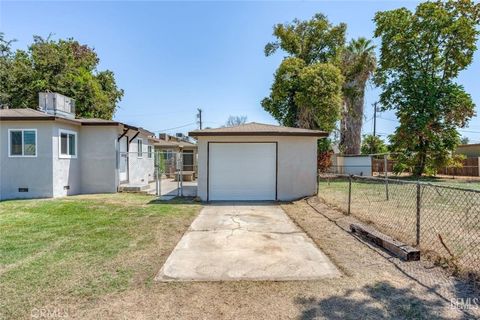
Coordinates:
[351,124]
[422,161]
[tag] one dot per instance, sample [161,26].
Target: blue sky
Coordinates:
[174,57]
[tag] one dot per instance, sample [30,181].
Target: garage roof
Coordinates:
[258,129]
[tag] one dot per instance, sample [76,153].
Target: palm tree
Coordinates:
[358,65]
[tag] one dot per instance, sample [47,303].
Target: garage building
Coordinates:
[257,162]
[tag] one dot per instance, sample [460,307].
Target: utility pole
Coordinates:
[199,116]
[374,119]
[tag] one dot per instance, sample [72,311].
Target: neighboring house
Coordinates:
[49,153]
[169,147]
[469,150]
[257,162]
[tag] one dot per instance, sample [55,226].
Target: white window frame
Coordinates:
[168,154]
[139,148]
[149,151]
[67,156]
[10,155]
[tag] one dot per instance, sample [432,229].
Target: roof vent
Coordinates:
[56,104]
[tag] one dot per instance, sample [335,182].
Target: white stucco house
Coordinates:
[257,162]
[49,153]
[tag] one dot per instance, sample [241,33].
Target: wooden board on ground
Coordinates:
[398,248]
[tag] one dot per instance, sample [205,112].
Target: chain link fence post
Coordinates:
[385,169]
[349,193]
[419,202]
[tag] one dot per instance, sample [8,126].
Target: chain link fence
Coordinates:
[442,221]
[163,173]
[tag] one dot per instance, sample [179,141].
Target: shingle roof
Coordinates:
[24,113]
[35,115]
[258,129]
[97,121]
[163,143]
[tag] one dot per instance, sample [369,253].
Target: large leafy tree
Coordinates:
[63,66]
[373,145]
[422,53]
[358,64]
[306,91]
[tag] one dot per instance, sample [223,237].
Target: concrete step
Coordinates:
[143,188]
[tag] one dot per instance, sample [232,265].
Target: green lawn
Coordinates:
[54,252]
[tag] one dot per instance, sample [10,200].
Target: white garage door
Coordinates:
[242,171]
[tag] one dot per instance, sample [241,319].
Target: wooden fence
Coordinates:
[378,165]
[470,167]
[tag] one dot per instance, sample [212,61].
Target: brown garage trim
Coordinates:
[259,133]
[208,163]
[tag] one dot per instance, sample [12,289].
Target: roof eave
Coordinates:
[294,134]
[20,118]
[46,118]
[100,124]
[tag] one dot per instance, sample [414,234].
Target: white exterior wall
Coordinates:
[98,159]
[141,169]
[297,164]
[356,165]
[66,171]
[34,173]
[94,170]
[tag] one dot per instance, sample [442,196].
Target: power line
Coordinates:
[387,119]
[153,114]
[368,120]
[183,126]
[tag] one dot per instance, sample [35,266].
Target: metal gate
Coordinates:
[176,174]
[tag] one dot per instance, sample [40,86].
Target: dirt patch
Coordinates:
[374,285]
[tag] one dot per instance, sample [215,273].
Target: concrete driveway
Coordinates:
[245,241]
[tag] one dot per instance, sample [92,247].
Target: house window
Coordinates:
[22,142]
[167,154]
[150,152]
[68,144]
[139,148]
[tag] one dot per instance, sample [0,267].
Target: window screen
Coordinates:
[64,143]
[23,143]
[71,144]
[16,143]
[140,147]
[68,144]
[29,147]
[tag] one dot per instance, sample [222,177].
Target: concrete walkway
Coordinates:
[245,241]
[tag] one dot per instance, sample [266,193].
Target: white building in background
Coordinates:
[49,153]
[360,165]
